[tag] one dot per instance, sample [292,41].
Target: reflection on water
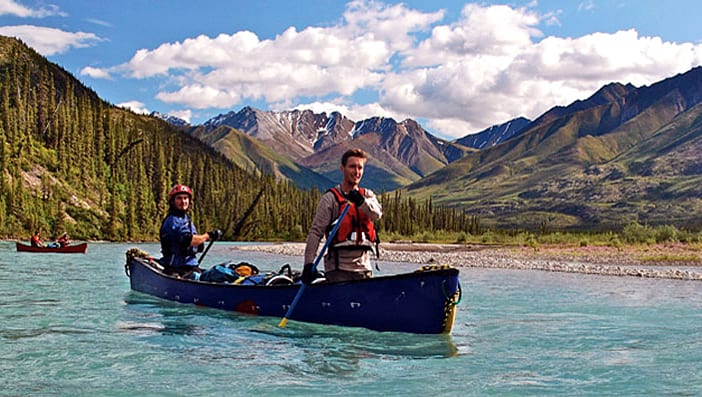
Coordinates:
[364,342]
[160,316]
[14,334]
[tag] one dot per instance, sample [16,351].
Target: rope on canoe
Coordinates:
[131,254]
[450,300]
[427,268]
[450,303]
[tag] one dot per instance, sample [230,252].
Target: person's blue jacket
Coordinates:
[176,234]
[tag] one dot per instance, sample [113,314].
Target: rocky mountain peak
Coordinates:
[495,135]
[173,120]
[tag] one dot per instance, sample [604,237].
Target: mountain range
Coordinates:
[625,154]
[305,147]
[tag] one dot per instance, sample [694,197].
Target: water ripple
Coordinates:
[517,333]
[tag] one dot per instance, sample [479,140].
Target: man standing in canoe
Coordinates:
[349,254]
[179,239]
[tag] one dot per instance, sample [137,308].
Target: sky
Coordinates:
[457,67]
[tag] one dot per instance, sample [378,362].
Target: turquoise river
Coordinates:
[70,326]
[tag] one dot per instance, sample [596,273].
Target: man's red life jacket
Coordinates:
[36,241]
[356,229]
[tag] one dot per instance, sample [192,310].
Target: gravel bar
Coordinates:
[644,262]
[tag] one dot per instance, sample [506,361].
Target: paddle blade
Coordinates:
[283,322]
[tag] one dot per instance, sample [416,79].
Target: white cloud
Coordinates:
[182,114]
[490,65]
[479,72]
[588,5]
[315,62]
[95,73]
[391,24]
[201,97]
[352,111]
[10,7]
[134,106]
[99,22]
[49,41]
[488,32]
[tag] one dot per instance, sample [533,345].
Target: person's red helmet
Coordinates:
[178,189]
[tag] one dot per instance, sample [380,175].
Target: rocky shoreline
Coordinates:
[678,262]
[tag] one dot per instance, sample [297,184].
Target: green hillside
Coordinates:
[250,154]
[583,171]
[72,162]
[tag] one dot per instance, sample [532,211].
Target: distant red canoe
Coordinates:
[69,249]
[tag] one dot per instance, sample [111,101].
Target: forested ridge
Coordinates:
[70,161]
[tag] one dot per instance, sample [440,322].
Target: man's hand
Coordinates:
[307,275]
[215,234]
[356,198]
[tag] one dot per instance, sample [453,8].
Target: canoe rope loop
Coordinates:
[450,303]
[450,300]
[454,299]
[131,254]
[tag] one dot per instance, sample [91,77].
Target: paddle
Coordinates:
[199,261]
[284,320]
[238,226]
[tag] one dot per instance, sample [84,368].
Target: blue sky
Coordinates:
[455,66]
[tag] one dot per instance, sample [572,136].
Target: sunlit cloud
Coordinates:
[134,106]
[354,112]
[49,41]
[491,64]
[96,73]
[184,115]
[10,7]
[99,22]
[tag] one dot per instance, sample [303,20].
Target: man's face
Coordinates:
[353,170]
[181,201]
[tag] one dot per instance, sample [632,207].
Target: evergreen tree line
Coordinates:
[72,162]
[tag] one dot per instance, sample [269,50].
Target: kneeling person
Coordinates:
[180,241]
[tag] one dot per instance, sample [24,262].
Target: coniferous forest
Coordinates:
[73,162]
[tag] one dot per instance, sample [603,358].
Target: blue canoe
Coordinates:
[422,302]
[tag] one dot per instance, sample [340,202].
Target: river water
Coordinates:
[70,326]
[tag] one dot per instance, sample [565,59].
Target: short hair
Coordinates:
[353,153]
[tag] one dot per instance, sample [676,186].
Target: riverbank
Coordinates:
[671,261]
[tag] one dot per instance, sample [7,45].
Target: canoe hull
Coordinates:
[69,249]
[421,302]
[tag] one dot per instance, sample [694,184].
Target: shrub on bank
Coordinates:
[632,234]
